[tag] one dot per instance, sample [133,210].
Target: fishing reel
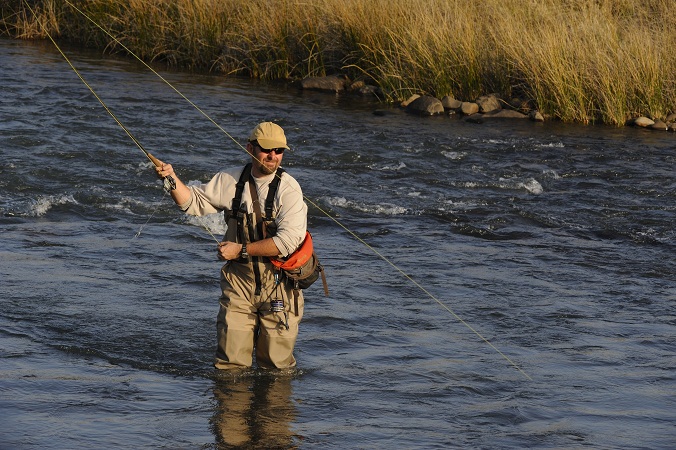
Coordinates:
[276,305]
[169,183]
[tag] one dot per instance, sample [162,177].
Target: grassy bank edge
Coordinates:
[578,61]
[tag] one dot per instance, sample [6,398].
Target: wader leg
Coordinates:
[274,346]
[236,324]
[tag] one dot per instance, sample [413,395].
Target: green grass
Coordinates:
[580,60]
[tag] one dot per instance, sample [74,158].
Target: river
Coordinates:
[501,285]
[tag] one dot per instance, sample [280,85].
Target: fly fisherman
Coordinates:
[258,309]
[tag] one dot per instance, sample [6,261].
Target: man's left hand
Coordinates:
[229,250]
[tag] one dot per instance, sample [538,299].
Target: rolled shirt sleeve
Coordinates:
[290,216]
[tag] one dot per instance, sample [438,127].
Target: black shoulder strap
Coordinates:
[237,199]
[272,190]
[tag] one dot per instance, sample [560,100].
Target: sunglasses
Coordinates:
[278,151]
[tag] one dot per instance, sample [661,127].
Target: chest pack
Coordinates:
[302,268]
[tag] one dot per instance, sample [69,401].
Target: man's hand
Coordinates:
[228,251]
[164,170]
[179,191]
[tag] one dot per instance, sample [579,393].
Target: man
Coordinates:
[258,309]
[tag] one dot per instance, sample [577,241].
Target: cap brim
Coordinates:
[271,143]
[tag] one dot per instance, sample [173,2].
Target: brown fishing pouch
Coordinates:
[302,267]
[305,276]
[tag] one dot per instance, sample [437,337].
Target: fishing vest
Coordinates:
[245,227]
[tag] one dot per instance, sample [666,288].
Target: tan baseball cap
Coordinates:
[269,135]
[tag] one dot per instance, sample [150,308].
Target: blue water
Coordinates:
[503,285]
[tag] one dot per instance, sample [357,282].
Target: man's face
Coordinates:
[267,161]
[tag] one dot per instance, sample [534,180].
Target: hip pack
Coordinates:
[302,267]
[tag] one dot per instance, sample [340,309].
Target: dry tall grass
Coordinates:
[581,60]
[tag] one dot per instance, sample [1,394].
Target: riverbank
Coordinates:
[576,61]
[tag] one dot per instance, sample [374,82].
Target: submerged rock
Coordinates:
[659,125]
[475,118]
[332,83]
[425,106]
[505,114]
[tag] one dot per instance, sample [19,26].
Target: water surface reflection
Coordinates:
[254,410]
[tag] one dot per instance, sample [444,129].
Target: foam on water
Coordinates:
[43,203]
[215,223]
[384,209]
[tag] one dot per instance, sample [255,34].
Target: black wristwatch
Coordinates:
[244,253]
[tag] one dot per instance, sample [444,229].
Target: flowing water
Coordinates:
[504,285]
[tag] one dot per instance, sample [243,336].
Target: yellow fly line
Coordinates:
[156,162]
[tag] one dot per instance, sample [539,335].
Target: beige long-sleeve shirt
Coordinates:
[289,208]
